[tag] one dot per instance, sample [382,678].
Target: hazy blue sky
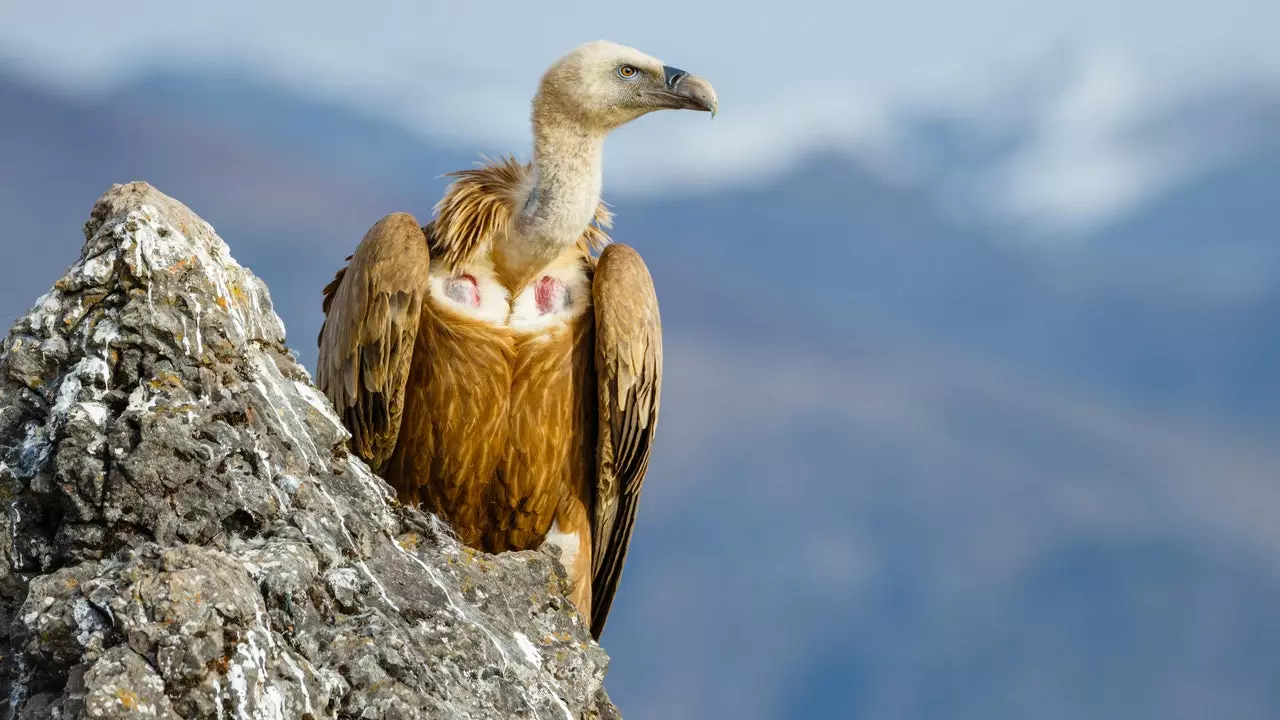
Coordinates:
[791,76]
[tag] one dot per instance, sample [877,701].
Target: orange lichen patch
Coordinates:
[562,636]
[222,302]
[72,583]
[165,379]
[127,698]
[409,541]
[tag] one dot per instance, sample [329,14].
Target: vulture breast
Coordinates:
[499,427]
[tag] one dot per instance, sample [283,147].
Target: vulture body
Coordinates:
[489,365]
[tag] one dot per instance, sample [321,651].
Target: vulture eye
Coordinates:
[627,72]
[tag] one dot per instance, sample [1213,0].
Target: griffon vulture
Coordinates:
[488,365]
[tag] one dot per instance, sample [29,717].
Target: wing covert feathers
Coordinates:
[372,309]
[629,371]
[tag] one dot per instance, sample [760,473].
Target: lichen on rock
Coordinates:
[188,537]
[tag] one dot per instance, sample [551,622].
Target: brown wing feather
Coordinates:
[371,311]
[629,369]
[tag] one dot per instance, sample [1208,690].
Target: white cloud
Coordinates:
[680,150]
[1083,165]
[1099,145]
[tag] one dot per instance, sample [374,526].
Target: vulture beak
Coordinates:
[687,92]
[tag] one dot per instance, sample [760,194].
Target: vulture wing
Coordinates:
[371,321]
[629,370]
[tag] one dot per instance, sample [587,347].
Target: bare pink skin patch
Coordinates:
[551,295]
[463,290]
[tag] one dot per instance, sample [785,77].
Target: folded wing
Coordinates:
[629,371]
[372,309]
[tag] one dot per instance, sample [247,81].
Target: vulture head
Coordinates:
[602,85]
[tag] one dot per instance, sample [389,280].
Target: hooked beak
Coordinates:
[688,92]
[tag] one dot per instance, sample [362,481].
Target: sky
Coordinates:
[793,77]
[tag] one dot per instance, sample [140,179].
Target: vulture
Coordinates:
[501,366]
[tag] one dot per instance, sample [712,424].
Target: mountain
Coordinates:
[908,466]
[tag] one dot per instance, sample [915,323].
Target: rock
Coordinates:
[188,536]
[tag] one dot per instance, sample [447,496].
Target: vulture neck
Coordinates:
[567,167]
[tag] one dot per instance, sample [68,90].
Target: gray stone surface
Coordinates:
[187,536]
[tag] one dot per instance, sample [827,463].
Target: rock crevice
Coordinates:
[188,537]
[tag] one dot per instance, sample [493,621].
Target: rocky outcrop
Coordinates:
[188,537]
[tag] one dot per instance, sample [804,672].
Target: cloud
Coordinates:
[1087,158]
